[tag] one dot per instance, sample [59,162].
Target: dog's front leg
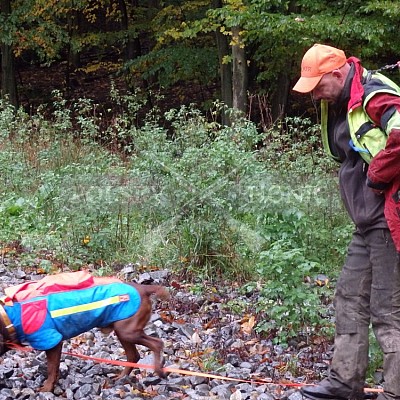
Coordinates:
[53,367]
[132,355]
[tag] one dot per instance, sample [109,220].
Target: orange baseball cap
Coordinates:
[318,61]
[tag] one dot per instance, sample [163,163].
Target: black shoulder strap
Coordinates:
[368,77]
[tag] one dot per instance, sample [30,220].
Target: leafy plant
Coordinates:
[206,200]
[290,303]
[375,359]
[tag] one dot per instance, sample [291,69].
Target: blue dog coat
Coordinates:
[44,321]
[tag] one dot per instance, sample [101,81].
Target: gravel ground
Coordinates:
[198,336]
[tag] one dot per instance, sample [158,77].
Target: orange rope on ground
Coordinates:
[181,371]
[202,374]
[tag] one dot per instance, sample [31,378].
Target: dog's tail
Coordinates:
[160,292]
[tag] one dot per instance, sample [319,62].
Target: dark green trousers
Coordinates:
[367,292]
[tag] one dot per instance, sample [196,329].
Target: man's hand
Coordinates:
[377,188]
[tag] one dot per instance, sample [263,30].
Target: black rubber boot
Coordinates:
[323,392]
[319,392]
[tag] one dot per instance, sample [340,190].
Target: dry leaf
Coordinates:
[196,339]
[247,327]
[210,324]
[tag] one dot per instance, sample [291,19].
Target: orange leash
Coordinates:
[202,374]
[182,371]
[175,370]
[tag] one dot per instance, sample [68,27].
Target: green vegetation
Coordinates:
[191,48]
[207,201]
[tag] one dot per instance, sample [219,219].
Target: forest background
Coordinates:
[165,134]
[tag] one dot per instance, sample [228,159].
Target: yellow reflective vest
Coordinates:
[366,138]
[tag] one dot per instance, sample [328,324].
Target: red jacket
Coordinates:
[384,170]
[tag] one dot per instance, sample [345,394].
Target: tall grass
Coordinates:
[207,201]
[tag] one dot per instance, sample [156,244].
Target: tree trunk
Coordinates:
[240,78]
[74,28]
[279,97]
[225,69]
[133,46]
[73,55]
[8,81]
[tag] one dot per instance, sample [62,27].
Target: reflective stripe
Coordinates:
[87,307]
[366,138]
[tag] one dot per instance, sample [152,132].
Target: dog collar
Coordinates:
[12,336]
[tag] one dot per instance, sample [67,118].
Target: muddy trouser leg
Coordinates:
[352,298]
[385,311]
[368,289]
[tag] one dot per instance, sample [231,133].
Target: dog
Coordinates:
[58,307]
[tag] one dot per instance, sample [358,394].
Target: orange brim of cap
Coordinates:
[306,84]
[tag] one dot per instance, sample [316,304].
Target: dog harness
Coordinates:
[44,321]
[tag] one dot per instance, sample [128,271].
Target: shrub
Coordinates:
[205,200]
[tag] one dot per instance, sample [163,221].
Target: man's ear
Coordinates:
[337,73]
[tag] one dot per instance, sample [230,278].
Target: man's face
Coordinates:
[329,87]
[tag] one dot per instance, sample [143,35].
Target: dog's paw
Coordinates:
[46,388]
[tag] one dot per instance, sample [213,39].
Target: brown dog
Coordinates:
[46,312]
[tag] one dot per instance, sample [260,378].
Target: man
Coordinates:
[360,126]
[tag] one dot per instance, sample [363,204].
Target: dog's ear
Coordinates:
[2,344]
[3,347]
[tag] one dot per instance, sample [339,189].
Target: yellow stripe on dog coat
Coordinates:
[62,312]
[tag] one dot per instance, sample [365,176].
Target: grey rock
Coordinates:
[247,365]
[296,396]
[20,274]
[45,396]
[195,395]
[159,276]
[263,396]
[129,270]
[7,394]
[145,278]
[197,380]
[6,373]
[233,359]
[203,388]
[27,393]
[151,380]
[223,391]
